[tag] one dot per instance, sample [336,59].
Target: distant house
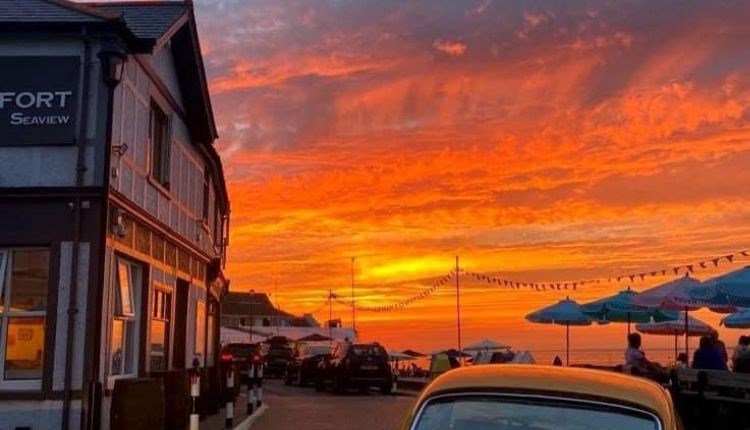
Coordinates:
[256,310]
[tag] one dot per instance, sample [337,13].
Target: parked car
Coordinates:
[359,366]
[303,367]
[240,355]
[276,359]
[504,396]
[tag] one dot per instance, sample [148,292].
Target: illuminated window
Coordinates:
[200,329]
[161,313]
[24,279]
[123,338]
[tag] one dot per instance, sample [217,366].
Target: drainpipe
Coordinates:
[77,202]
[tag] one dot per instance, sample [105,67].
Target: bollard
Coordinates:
[195,389]
[259,394]
[229,418]
[250,399]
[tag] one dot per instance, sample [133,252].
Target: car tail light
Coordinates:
[226,356]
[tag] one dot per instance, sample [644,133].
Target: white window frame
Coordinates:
[5,288]
[135,293]
[169,341]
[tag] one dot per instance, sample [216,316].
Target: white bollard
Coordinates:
[229,418]
[250,400]
[259,397]
[195,384]
[260,371]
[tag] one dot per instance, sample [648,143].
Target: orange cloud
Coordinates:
[453,48]
[604,140]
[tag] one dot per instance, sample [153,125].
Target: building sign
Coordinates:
[39,100]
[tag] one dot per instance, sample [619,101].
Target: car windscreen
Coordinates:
[275,351]
[367,350]
[240,348]
[317,350]
[511,413]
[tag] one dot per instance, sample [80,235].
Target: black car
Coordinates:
[358,366]
[303,368]
[277,357]
[240,355]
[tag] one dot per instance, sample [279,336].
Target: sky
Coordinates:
[538,141]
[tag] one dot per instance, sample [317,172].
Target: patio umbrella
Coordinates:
[737,320]
[693,327]
[565,312]
[413,353]
[732,288]
[486,345]
[679,295]
[396,356]
[621,308]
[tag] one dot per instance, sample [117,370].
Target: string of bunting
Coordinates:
[685,269]
[424,294]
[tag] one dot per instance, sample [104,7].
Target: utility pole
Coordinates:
[278,310]
[250,311]
[330,313]
[354,302]
[458,313]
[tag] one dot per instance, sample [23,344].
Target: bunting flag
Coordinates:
[557,286]
[427,292]
[533,286]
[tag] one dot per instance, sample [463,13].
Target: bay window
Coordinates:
[24,286]
[124,330]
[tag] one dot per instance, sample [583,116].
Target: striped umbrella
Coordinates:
[565,312]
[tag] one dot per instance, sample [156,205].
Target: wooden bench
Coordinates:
[718,385]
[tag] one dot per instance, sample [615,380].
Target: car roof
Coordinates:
[561,381]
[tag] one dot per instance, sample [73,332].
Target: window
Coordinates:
[24,282]
[200,329]
[123,339]
[161,313]
[206,199]
[479,412]
[160,137]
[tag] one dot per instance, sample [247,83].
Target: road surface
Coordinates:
[295,408]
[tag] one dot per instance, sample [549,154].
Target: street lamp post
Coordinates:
[354,302]
[458,312]
[250,312]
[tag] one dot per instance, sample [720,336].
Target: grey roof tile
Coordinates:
[22,11]
[148,20]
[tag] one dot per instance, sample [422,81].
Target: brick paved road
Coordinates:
[295,408]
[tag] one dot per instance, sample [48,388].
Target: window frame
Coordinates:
[168,319]
[200,354]
[160,152]
[136,320]
[6,269]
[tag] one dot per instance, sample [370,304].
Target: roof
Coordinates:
[576,382]
[258,304]
[47,11]
[147,20]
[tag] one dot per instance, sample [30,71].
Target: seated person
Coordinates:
[682,361]
[639,365]
[741,356]
[707,357]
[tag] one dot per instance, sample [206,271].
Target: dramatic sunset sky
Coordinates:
[541,140]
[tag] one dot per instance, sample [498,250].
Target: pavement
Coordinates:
[295,408]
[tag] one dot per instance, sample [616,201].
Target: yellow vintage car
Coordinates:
[527,397]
